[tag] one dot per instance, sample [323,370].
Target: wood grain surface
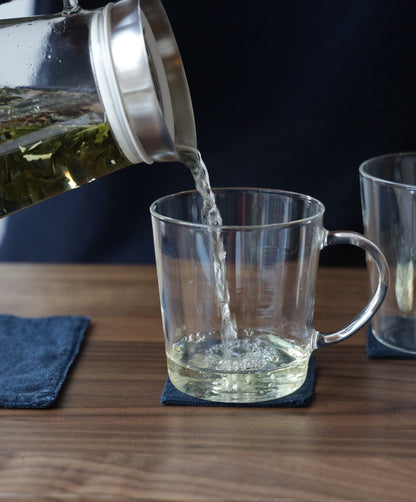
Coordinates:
[108,438]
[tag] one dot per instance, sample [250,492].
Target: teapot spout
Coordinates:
[70,7]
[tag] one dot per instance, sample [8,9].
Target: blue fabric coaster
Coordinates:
[377,350]
[301,397]
[36,355]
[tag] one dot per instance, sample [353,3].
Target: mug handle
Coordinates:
[356,239]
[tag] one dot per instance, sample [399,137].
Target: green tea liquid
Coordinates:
[51,142]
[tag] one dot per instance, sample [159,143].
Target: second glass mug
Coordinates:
[272,240]
[388,195]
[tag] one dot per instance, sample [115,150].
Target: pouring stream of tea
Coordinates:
[211,216]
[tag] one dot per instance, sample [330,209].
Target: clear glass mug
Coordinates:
[271,243]
[388,194]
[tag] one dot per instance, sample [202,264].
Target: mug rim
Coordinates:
[364,174]
[161,217]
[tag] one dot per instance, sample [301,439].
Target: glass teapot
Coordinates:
[84,93]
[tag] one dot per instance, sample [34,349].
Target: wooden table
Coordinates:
[108,437]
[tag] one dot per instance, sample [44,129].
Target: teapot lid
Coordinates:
[141,80]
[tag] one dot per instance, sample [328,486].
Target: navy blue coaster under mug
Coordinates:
[377,350]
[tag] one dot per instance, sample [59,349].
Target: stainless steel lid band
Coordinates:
[146,99]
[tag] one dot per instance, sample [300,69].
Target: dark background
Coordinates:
[289,95]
